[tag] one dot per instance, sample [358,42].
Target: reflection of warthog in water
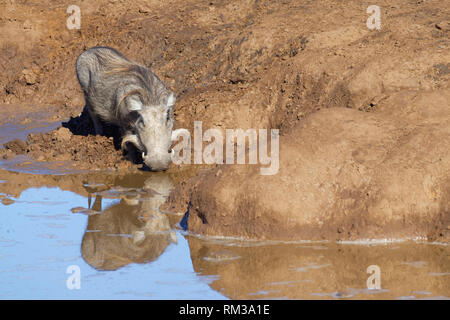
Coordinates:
[133,230]
[124,93]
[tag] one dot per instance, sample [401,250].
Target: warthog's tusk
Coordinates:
[129,138]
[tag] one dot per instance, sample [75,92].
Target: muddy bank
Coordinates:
[74,143]
[344,175]
[238,64]
[380,154]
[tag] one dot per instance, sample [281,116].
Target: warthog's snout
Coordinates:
[157,162]
[159,159]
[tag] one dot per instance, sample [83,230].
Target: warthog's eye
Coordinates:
[140,123]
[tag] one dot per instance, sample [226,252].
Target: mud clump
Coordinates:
[16,146]
[6,201]
[88,152]
[75,143]
[81,151]
[63,134]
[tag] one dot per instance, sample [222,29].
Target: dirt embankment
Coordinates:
[343,175]
[264,64]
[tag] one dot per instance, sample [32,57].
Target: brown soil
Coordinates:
[260,64]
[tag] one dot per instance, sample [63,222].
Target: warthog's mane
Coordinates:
[115,64]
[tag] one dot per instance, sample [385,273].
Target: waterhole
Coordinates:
[110,227]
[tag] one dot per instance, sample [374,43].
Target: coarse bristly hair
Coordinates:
[125,93]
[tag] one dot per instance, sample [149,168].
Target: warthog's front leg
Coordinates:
[98,127]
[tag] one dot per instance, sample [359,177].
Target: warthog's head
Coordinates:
[150,131]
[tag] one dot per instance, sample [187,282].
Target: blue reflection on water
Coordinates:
[40,238]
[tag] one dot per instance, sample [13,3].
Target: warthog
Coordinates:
[122,92]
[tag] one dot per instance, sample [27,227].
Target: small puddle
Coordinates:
[24,164]
[20,129]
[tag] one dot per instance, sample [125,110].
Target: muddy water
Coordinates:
[113,232]
[24,124]
[111,229]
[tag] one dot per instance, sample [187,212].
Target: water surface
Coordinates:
[111,228]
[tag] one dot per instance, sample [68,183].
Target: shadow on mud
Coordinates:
[82,125]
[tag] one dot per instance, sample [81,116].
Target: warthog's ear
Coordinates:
[171,100]
[135,104]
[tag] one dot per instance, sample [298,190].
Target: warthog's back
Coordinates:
[107,78]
